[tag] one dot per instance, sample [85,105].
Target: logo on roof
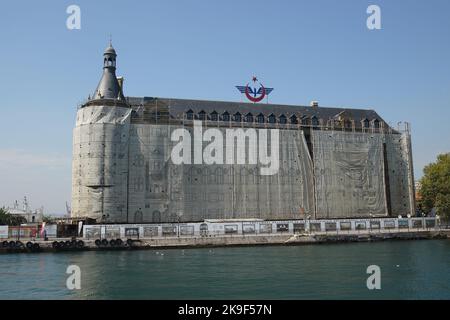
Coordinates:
[256,93]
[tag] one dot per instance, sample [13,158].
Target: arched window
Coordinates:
[260,118]
[314,121]
[190,115]
[156,216]
[214,116]
[293,119]
[283,119]
[376,123]
[226,116]
[249,117]
[237,117]
[202,115]
[272,118]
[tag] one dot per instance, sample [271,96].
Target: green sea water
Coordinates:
[409,270]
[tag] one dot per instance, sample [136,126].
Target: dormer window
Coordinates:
[366,123]
[202,115]
[272,118]
[305,121]
[314,121]
[249,117]
[190,115]
[225,116]
[237,117]
[214,116]
[293,119]
[260,118]
[283,119]
[376,123]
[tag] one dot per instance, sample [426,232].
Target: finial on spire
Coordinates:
[110,40]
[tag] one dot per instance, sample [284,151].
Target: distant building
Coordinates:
[333,162]
[31,216]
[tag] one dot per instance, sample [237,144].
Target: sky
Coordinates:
[200,49]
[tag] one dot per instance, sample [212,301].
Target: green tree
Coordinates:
[9,219]
[435,189]
[47,219]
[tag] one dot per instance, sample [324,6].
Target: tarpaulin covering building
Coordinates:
[330,162]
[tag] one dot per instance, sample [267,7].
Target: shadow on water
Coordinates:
[409,270]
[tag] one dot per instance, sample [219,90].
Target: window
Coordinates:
[237,117]
[214,116]
[190,115]
[294,119]
[272,118]
[305,121]
[249,117]
[365,123]
[202,115]
[260,118]
[314,121]
[226,116]
[283,119]
[376,123]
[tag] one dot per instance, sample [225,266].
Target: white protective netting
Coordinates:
[349,174]
[100,163]
[163,191]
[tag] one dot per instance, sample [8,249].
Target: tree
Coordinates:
[9,219]
[47,219]
[435,186]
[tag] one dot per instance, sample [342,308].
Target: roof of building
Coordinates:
[178,107]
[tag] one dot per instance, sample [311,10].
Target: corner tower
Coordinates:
[100,150]
[109,87]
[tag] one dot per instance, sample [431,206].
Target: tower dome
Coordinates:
[109,87]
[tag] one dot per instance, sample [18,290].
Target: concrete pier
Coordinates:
[219,241]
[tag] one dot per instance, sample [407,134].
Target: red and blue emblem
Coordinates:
[255,94]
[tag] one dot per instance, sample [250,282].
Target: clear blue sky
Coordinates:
[306,50]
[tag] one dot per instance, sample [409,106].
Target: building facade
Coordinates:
[331,162]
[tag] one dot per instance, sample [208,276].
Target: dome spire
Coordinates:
[108,87]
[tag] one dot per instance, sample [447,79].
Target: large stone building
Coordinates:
[333,162]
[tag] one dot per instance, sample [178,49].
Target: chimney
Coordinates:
[314,104]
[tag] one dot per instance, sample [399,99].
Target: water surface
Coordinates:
[409,270]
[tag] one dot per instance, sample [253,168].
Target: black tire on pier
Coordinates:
[129,242]
[29,245]
[55,245]
[119,242]
[5,244]
[62,244]
[19,244]
[112,243]
[104,242]
[98,242]
[36,246]
[12,244]
[67,243]
[73,243]
[80,244]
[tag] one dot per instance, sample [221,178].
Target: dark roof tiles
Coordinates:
[178,107]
